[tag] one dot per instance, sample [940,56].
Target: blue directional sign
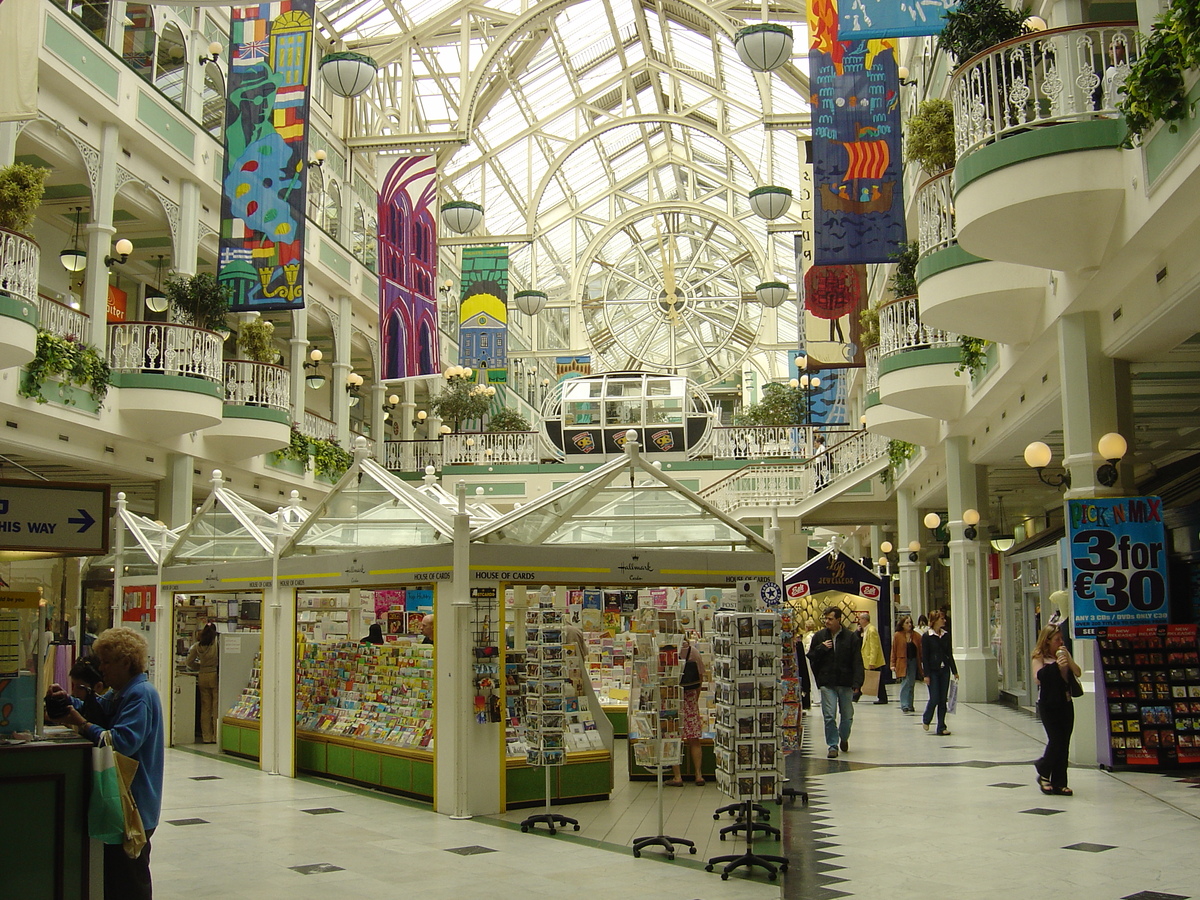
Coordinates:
[64,517]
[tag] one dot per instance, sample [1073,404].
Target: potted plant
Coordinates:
[21,189]
[70,360]
[460,401]
[256,341]
[973,355]
[782,405]
[977,25]
[868,326]
[198,300]
[508,420]
[904,279]
[930,136]
[1156,90]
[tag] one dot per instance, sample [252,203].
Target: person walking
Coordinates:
[872,651]
[1055,672]
[937,660]
[204,658]
[836,657]
[906,661]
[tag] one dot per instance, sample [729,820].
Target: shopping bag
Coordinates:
[870,685]
[106,817]
[134,832]
[952,697]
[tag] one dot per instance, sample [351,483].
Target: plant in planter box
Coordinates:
[198,300]
[1155,90]
[930,136]
[329,459]
[256,341]
[904,279]
[297,449]
[21,189]
[973,358]
[977,25]
[73,361]
[508,420]
[899,453]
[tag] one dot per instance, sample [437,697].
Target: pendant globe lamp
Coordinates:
[461,216]
[771,294]
[764,47]
[770,201]
[348,74]
[530,302]
[74,258]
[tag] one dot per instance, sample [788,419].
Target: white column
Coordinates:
[99,236]
[299,356]
[377,396]
[1089,402]
[9,132]
[407,411]
[187,240]
[908,528]
[968,582]
[341,369]
[175,491]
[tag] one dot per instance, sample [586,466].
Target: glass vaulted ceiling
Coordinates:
[565,116]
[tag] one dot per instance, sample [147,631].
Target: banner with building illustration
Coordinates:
[483,311]
[892,18]
[20,38]
[266,153]
[857,176]
[408,310]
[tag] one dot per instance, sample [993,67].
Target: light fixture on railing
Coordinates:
[1002,540]
[214,53]
[914,551]
[74,258]
[1037,457]
[123,247]
[317,160]
[886,547]
[1112,448]
[970,518]
[904,74]
[445,429]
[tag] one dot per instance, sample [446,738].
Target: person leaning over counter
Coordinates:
[133,711]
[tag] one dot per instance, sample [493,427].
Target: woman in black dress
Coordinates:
[1055,671]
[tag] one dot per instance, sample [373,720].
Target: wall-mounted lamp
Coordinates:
[1037,457]
[932,521]
[445,429]
[914,551]
[904,74]
[123,247]
[74,258]
[318,160]
[214,53]
[420,418]
[970,519]
[886,546]
[1035,23]
[314,379]
[353,383]
[1112,448]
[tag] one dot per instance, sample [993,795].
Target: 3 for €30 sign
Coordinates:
[1118,562]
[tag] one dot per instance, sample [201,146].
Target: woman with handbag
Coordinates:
[937,661]
[1057,675]
[906,661]
[691,681]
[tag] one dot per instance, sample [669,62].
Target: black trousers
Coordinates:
[125,878]
[1059,721]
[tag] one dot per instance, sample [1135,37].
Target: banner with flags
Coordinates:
[893,18]
[857,174]
[20,38]
[265,183]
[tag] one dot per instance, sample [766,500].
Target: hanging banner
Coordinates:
[266,151]
[483,311]
[892,18]
[20,38]
[1118,556]
[408,311]
[834,296]
[859,212]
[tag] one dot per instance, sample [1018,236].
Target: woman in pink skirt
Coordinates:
[692,680]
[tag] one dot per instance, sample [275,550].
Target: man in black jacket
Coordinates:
[836,657]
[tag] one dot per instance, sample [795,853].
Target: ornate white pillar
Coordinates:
[908,528]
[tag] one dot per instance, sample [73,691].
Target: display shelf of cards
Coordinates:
[746,674]
[545,682]
[189,619]
[323,618]
[654,701]
[1151,677]
[789,699]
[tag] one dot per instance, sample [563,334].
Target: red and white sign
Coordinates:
[798,589]
[870,591]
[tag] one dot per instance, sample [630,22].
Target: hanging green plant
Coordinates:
[904,279]
[198,300]
[1156,88]
[973,355]
[508,420]
[256,341]
[297,449]
[329,459]
[868,326]
[929,136]
[69,359]
[21,190]
[898,454]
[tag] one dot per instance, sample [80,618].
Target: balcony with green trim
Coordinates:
[918,363]
[257,410]
[1041,177]
[890,421]
[170,376]
[960,292]
[19,261]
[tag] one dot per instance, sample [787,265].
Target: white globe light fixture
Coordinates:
[771,294]
[530,302]
[770,201]
[348,74]
[461,216]
[764,47]
[932,520]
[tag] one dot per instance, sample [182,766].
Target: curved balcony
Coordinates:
[19,261]
[1039,179]
[170,376]
[257,410]
[999,301]
[917,363]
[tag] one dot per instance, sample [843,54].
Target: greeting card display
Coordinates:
[655,699]
[545,688]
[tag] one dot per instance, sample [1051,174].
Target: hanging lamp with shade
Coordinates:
[461,216]
[346,73]
[771,294]
[770,201]
[155,300]
[1002,539]
[74,258]
[764,46]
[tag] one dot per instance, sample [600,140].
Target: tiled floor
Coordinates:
[903,814]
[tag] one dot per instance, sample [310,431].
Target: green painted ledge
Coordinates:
[21,310]
[952,257]
[162,382]
[1049,140]
[262,413]
[911,359]
[1166,146]
[60,394]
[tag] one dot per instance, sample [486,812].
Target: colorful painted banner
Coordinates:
[266,151]
[483,311]
[1117,547]
[892,18]
[857,173]
[834,296]
[408,311]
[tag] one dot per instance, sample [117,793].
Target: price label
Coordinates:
[1118,562]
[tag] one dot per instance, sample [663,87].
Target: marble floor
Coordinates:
[903,814]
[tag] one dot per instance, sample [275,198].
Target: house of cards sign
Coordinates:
[1118,562]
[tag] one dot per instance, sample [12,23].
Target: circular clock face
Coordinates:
[672,292]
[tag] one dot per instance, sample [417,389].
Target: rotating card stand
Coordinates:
[544,711]
[773,864]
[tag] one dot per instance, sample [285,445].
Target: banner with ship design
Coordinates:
[857,175]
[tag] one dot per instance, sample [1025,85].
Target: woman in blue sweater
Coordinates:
[937,660]
[133,713]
